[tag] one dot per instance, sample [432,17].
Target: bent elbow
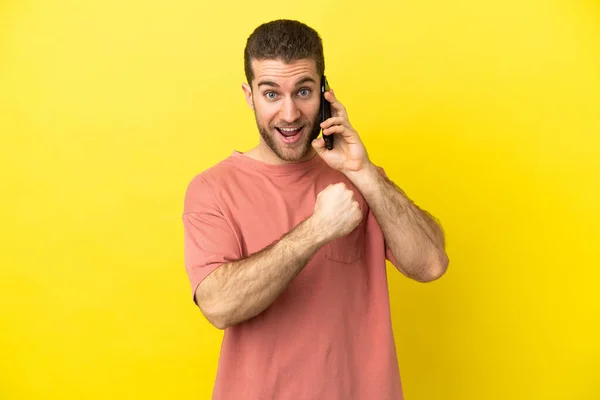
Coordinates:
[219,323]
[435,269]
[439,267]
[216,315]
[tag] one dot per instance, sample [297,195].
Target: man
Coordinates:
[286,244]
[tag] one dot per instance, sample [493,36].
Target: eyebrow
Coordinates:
[273,84]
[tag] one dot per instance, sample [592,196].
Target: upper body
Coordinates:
[328,335]
[286,244]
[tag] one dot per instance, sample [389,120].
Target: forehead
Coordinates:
[284,73]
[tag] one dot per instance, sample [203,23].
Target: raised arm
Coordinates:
[414,237]
[240,290]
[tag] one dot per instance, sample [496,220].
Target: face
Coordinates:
[285,99]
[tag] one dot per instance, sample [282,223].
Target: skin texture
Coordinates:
[240,290]
[287,95]
[281,96]
[415,238]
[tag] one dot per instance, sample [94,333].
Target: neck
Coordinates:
[264,154]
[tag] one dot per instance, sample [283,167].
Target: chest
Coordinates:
[262,211]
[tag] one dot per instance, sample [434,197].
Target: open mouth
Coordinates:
[291,134]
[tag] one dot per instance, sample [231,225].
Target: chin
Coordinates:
[285,152]
[292,154]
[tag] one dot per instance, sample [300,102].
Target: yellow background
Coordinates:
[485,112]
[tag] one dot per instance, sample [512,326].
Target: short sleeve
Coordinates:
[388,252]
[209,240]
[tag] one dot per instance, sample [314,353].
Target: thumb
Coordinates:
[319,145]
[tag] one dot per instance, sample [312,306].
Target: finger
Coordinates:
[332,121]
[338,108]
[319,145]
[334,129]
[335,104]
[350,135]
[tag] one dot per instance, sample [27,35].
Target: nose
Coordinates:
[289,111]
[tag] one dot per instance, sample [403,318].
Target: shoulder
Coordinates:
[201,188]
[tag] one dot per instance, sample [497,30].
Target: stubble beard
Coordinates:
[289,153]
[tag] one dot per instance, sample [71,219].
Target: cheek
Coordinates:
[311,110]
[265,112]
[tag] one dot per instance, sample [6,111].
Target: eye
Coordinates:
[270,95]
[304,92]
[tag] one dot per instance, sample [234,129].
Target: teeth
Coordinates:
[289,129]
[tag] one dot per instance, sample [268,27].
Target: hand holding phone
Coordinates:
[325,111]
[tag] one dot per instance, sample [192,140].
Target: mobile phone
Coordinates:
[325,111]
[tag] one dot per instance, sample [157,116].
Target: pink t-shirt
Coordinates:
[328,336]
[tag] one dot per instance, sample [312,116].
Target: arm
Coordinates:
[415,239]
[242,289]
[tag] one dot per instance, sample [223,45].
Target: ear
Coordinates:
[248,93]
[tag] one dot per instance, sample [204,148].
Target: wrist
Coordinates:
[365,179]
[315,231]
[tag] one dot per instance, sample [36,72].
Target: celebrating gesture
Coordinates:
[286,243]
